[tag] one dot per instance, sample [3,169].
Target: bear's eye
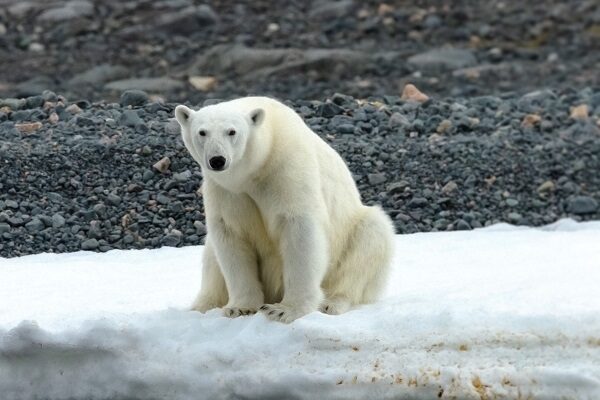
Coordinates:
[231,132]
[202,133]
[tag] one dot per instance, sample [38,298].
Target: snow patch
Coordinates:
[500,311]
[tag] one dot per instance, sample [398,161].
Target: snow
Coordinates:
[500,312]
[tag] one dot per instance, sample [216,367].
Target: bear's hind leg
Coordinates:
[361,274]
[213,292]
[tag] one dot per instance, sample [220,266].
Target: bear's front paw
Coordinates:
[282,313]
[233,312]
[335,305]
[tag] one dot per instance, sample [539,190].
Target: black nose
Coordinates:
[217,163]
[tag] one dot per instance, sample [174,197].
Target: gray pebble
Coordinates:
[582,205]
[89,244]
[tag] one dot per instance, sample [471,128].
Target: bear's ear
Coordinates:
[183,114]
[257,116]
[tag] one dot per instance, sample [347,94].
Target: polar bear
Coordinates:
[287,232]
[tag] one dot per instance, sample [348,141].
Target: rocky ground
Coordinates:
[186,50]
[510,131]
[98,176]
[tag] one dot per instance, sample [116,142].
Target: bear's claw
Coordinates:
[281,313]
[233,312]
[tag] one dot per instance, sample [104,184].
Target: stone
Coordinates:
[345,129]
[547,186]
[328,10]
[449,187]
[444,126]
[74,109]
[90,244]
[512,202]
[4,227]
[98,75]
[130,118]
[172,127]
[33,86]
[397,187]
[69,10]
[328,110]
[134,188]
[133,98]
[162,165]
[530,120]
[461,225]
[162,199]
[200,227]
[186,21]
[15,221]
[203,83]
[35,225]
[175,206]
[183,176]
[376,179]
[53,118]
[172,239]
[155,84]
[418,202]
[13,104]
[442,59]
[95,230]
[411,93]
[398,120]
[29,127]
[582,205]
[580,112]
[113,199]
[258,63]
[34,101]
[11,204]
[58,221]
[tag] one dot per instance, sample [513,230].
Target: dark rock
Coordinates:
[98,75]
[443,59]
[162,199]
[35,225]
[328,110]
[187,21]
[376,179]
[67,11]
[172,239]
[11,204]
[153,85]
[462,225]
[328,10]
[134,98]
[58,221]
[4,227]
[418,202]
[113,199]
[130,118]
[582,205]
[90,244]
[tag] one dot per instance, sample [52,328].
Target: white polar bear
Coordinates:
[287,232]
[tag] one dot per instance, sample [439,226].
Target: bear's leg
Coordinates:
[238,262]
[304,255]
[361,274]
[213,293]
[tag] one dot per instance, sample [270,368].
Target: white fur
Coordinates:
[287,232]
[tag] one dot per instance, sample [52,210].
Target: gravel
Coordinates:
[95,49]
[117,176]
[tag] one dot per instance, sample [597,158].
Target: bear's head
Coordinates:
[216,136]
